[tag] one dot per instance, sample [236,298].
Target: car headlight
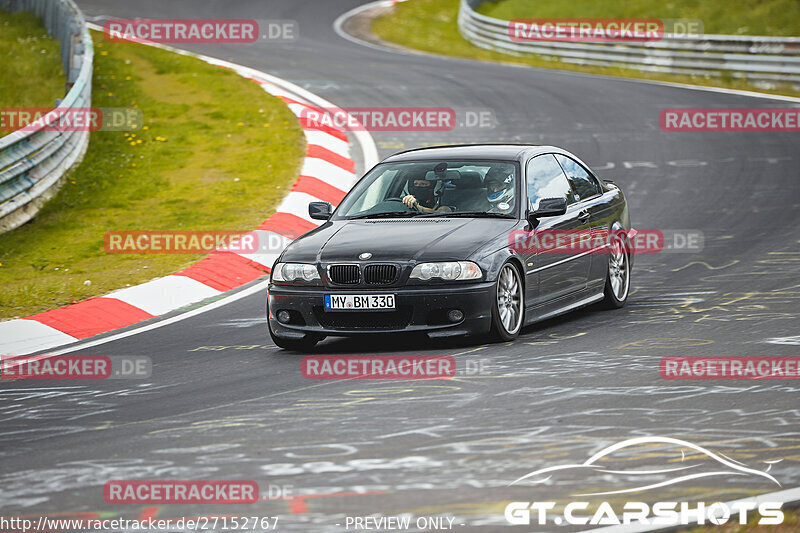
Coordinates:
[288,272]
[449,271]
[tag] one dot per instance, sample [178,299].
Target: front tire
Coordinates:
[618,278]
[508,309]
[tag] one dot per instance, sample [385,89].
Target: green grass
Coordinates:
[216,152]
[32,74]
[729,17]
[431,26]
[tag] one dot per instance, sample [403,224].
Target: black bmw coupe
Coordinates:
[455,240]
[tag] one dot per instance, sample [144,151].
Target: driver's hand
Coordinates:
[410,201]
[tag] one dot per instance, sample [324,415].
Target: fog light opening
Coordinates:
[284,317]
[455,315]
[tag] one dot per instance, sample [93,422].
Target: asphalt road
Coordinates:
[224,403]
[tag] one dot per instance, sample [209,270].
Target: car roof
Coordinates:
[473,151]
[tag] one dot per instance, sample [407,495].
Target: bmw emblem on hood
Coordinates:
[364,256]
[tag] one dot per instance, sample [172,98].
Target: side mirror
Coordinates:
[320,210]
[549,207]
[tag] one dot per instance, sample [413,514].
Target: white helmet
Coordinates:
[495,179]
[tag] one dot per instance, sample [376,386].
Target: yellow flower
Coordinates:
[103,53]
[145,127]
[133,143]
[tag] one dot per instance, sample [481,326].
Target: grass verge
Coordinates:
[725,17]
[32,74]
[431,26]
[216,152]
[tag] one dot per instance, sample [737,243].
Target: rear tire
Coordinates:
[508,308]
[618,277]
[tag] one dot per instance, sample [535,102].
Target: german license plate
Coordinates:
[357,302]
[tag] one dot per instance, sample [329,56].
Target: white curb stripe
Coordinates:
[296,203]
[23,336]
[166,294]
[270,246]
[327,141]
[328,172]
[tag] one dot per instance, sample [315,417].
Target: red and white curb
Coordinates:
[327,173]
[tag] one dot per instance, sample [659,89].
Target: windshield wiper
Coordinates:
[475,214]
[386,214]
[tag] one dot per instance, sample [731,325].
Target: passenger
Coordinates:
[499,190]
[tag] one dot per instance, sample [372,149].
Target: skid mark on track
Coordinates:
[709,267]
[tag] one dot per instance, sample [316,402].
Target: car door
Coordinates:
[551,275]
[589,192]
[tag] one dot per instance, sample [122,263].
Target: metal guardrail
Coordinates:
[755,58]
[33,162]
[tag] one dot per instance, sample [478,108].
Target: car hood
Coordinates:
[421,239]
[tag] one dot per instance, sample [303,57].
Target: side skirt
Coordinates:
[532,317]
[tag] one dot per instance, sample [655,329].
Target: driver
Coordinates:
[421,196]
[499,190]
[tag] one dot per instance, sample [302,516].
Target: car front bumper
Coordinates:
[421,309]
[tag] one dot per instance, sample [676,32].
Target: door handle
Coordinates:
[583,216]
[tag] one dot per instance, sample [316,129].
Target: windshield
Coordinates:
[435,188]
